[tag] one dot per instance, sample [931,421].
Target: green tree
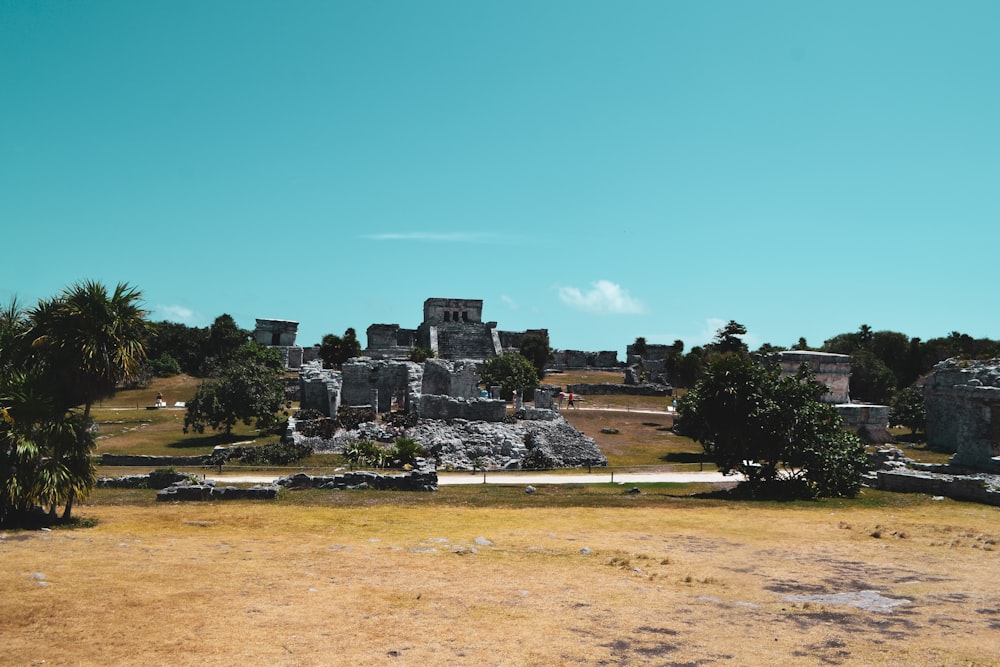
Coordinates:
[224,338]
[334,350]
[86,342]
[907,409]
[728,338]
[772,429]
[90,341]
[639,346]
[510,371]
[188,345]
[249,389]
[534,346]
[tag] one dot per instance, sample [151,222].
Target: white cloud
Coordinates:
[176,313]
[509,302]
[435,237]
[604,298]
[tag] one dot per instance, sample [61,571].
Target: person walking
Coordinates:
[569,401]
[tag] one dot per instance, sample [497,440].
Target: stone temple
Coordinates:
[451,328]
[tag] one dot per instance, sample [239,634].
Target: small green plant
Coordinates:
[368,453]
[407,451]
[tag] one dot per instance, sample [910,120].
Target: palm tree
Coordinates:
[88,342]
[92,341]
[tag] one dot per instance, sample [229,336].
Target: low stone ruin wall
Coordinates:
[154,461]
[158,481]
[611,389]
[969,488]
[208,491]
[434,406]
[422,479]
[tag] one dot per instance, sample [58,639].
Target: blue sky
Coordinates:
[605,170]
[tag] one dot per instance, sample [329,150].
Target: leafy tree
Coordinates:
[334,350]
[90,341]
[250,389]
[164,366]
[871,380]
[772,429]
[728,338]
[639,346]
[511,371]
[535,348]
[224,338]
[907,409]
[188,345]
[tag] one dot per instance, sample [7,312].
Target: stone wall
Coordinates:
[870,422]
[451,378]
[963,411]
[434,406]
[572,359]
[423,478]
[972,489]
[208,491]
[390,378]
[140,461]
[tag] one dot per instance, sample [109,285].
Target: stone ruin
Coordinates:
[963,412]
[452,328]
[281,334]
[453,421]
[648,366]
[579,359]
[870,422]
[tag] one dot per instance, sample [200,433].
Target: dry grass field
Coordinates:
[492,576]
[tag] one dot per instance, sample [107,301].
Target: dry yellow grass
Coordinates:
[336,579]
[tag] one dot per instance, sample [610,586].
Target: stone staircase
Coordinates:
[464,340]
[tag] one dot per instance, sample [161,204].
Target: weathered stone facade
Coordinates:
[575,359]
[319,388]
[963,412]
[833,370]
[452,328]
[275,332]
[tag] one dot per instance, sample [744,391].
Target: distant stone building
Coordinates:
[870,422]
[281,334]
[452,328]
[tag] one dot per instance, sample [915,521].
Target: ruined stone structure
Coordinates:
[451,328]
[275,332]
[870,422]
[648,367]
[833,370]
[963,412]
[572,359]
[281,334]
[436,389]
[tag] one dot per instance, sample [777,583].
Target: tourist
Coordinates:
[569,403]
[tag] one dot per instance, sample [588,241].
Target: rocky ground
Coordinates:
[464,445]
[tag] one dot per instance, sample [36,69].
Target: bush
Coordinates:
[407,451]
[164,366]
